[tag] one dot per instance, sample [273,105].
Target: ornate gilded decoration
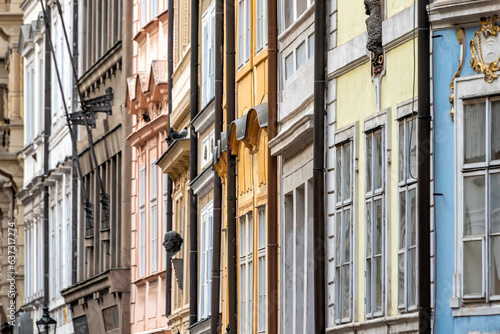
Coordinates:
[374,28]
[485,49]
[460,39]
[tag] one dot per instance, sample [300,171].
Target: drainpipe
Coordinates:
[46,137]
[231,169]
[216,235]
[319,168]
[423,186]
[272,170]
[74,174]
[193,166]
[170,70]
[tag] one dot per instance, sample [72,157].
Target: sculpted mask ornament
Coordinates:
[485,49]
[374,28]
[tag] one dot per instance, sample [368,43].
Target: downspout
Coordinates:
[217,214]
[46,137]
[319,168]
[272,170]
[170,70]
[231,170]
[193,166]
[74,173]
[423,185]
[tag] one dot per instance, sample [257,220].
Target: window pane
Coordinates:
[378,284]
[247,29]
[346,274]
[241,25]
[347,235]
[242,292]
[412,144]
[338,189]
[259,23]
[249,297]
[402,220]
[301,7]
[495,203]
[377,163]
[369,163]
[250,233]
[289,66]
[495,266]
[301,55]
[262,229]
[413,218]
[242,236]
[368,229]
[474,205]
[495,133]
[288,13]
[310,45]
[368,276]
[377,243]
[412,276]
[475,140]
[473,271]
[401,149]
[347,171]
[338,237]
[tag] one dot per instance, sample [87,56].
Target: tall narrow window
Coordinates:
[480,207]
[142,222]
[243,32]
[261,271]
[154,216]
[205,261]
[208,55]
[374,223]
[165,198]
[407,249]
[246,271]
[261,23]
[343,235]
[143,13]
[154,9]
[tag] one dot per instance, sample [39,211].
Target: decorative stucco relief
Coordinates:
[460,39]
[485,49]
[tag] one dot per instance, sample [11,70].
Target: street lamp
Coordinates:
[46,323]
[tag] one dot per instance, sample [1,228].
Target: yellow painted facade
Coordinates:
[356,103]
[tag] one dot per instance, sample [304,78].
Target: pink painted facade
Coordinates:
[147,102]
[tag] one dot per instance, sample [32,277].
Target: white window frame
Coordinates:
[207,148]
[245,274]
[261,269]
[244,37]
[29,103]
[155,4]
[344,139]
[165,200]
[467,90]
[406,186]
[206,251]
[292,4]
[153,218]
[261,25]
[142,222]
[208,55]
[143,13]
[374,194]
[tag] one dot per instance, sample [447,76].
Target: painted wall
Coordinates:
[445,54]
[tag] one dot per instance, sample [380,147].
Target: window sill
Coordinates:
[459,309]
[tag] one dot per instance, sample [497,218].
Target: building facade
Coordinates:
[465,113]
[371,167]
[99,298]
[147,101]
[11,167]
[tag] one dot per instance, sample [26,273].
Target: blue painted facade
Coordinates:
[446,52]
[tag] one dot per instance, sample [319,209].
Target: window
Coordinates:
[154,9]
[40,94]
[293,9]
[310,45]
[480,207]
[30,113]
[301,55]
[261,271]
[246,251]
[374,223]
[343,227]
[165,199]
[154,216]
[288,66]
[206,250]
[261,12]
[208,56]
[243,32]
[407,189]
[207,146]
[142,222]
[143,13]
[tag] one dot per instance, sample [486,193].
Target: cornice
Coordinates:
[446,14]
